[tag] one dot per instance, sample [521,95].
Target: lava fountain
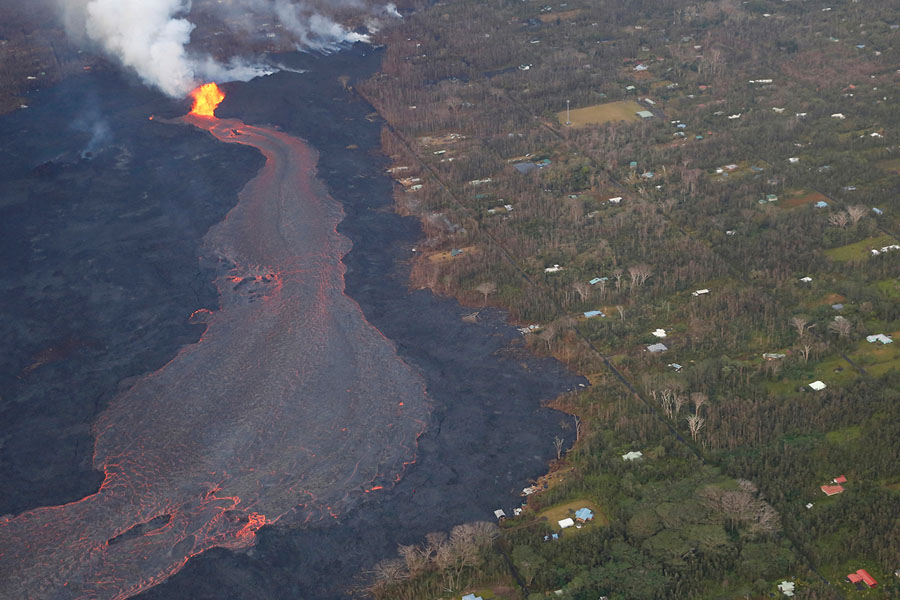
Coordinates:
[206,98]
[288,409]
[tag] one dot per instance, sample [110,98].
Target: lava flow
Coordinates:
[206,98]
[289,407]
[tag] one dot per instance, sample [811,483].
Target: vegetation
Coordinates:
[768,177]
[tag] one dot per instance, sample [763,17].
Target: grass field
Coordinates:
[559,512]
[598,114]
[892,165]
[858,250]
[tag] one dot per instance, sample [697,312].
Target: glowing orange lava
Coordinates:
[206,98]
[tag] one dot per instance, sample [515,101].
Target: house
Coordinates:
[885,249]
[553,269]
[644,114]
[456,252]
[879,338]
[771,198]
[499,514]
[806,279]
[616,200]
[862,576]
[839,479]
[654,348]
[584,515]
[837,306]
[773,355]
[877,211]
[831,490]
[471,597]
[838,116]
[525,167]
[817,385]
[595,281]
[649,101]
[675,366]
[593,313]
[660,333]
[809,505]
[793,160]
[630,456]
[786,588]
[820,204]
[700,292]
[641,67]
[567,522]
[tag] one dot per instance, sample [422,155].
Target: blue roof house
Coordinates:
[584,514]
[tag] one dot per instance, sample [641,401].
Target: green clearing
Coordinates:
[557,513]
[624,110]
[892,165]
[858,250]
[842,436]
[890,287]
[877,359]
[800,198]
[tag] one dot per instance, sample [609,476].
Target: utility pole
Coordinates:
[568,114]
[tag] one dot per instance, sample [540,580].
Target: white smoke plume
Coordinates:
[152,36]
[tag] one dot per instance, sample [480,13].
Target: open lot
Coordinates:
[624,110]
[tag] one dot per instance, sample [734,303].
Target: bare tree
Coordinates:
[582,289]
[679,400]
[839,219]
[695,424]
[558,444]
[621,311]
[857,212]
[617,273]
[391,570]
[841,326]
[639,275]
[799,324]
[667,402]
[487,288]
[415,558]
[805,349]
[548,334]
[699,399]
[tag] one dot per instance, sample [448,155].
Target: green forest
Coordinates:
[713,241]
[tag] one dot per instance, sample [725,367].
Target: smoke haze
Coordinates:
[152,37]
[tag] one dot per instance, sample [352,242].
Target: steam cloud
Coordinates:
[152,36]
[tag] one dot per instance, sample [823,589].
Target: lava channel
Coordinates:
[289,407]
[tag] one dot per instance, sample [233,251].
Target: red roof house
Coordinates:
[831,490]
[840,479]
[862,576]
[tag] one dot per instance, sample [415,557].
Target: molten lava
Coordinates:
[206,98]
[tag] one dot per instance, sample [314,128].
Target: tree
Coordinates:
[639,274]
[805,349]
[528,562]
[487,288]
[699,399]
[839,219]
[856,212]
[558,444]
[695,424]
[582,289]
[799,324]
[841,326]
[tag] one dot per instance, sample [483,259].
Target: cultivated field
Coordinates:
[599,114]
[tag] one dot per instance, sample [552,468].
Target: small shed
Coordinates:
[660,333]
[500,514]
[840,479]
[593,313]
[595,281]
[633,455]
[644,114]
[818,385]
[702,292]
[786,588]
[567,522]
[654,348]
